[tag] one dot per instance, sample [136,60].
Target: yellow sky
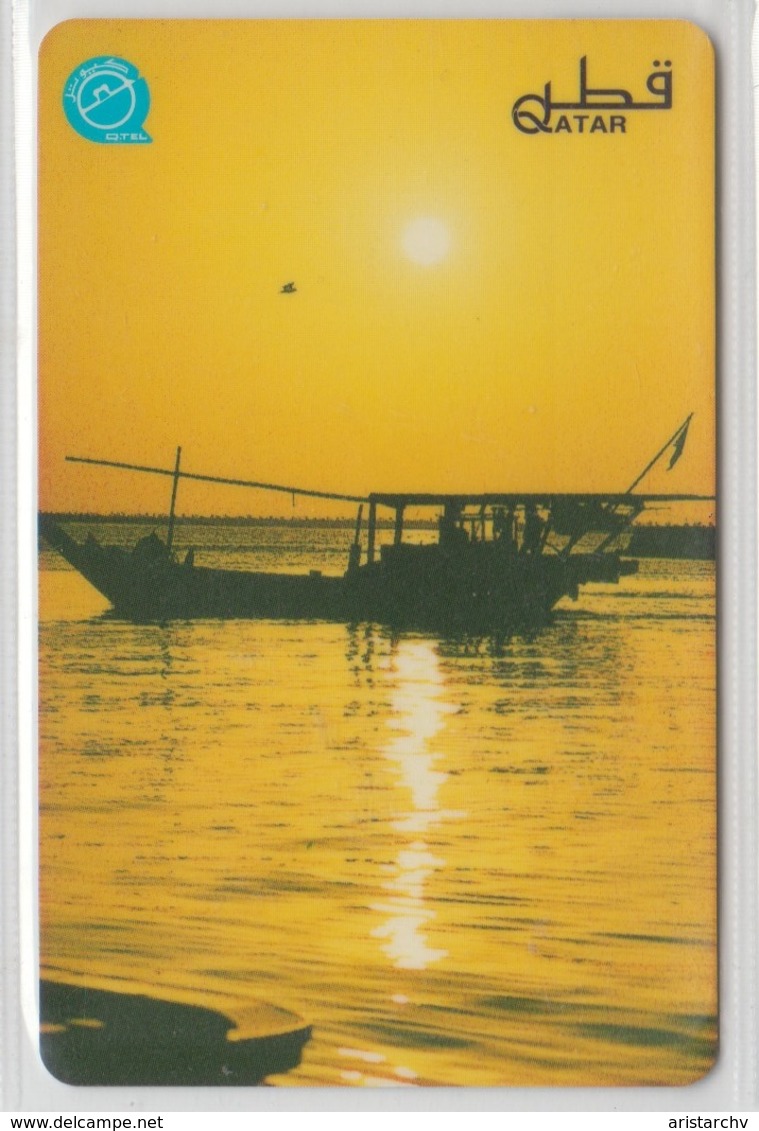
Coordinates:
[566,333]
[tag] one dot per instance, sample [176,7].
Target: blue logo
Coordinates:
[105,100]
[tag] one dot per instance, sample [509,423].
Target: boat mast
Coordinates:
[635,504]
[678,438]
[672,440]
[172,508]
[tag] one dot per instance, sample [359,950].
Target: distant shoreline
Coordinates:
[698,543]
[229,520]
[686,540]
[275,520]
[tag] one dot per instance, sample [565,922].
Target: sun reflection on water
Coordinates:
[418,711]
[247,811]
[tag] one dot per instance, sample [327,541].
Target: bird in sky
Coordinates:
[288,289]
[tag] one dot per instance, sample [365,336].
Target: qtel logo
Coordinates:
[105,100]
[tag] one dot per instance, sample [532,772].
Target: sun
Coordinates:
[426,241]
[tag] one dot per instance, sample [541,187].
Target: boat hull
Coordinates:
[475,588]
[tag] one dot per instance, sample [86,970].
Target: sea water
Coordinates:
[462,861]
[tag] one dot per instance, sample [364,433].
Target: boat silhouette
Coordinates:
[501,561]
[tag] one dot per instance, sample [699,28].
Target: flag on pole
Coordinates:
[679,444]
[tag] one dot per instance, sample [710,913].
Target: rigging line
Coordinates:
[221,479]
